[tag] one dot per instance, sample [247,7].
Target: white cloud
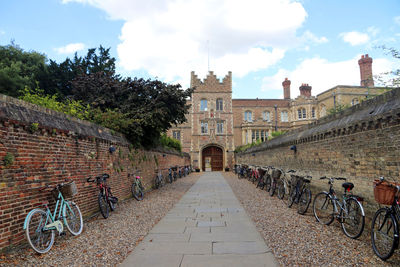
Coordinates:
[309,36]
[169,38]
[355,38]
[70,48]
[323,75]
[397,20]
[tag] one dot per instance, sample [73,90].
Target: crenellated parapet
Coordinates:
[211,83]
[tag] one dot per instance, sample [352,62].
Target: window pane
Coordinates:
[299,112]
[257,135]
[219,104]
[304,113]
[203,105]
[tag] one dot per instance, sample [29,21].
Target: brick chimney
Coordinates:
[305,90]
[286,88]
[365,63]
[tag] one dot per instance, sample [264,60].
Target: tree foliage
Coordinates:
[19,69]
[390,78]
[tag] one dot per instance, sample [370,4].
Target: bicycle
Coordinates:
[105,198]
[40,225]
[284,185]
[351,215]
[385,223]
[137,187]
[262,176]
[272,180]
[159,180]
[170,178]
[255,174]
[300,193]
[175,173]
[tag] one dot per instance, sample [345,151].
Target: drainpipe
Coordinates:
[276,117]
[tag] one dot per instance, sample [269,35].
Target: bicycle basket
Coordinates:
[69,190]
[276,174]
[384,192]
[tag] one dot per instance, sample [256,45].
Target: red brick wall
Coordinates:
[50,155]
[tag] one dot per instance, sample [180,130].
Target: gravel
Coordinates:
[107,242]
[298,240]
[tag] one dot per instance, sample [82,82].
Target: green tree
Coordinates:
[19,69]
[337,109]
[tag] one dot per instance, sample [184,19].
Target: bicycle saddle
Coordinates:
[348,186]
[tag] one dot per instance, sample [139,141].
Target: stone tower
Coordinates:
[286,88]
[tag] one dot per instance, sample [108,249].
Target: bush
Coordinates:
[170,142]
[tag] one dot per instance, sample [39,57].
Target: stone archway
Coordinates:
[212,156]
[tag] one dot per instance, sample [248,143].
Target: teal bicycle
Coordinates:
[40,225]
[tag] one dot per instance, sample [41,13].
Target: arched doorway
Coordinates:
[212,156]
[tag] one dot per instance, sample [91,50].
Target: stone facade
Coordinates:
[247,120]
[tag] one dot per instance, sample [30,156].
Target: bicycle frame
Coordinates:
[54,224]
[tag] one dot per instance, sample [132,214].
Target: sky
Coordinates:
[261,41]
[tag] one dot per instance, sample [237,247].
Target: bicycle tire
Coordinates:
[34,233]
[157,183]
[112,201]
[323,208]
[291,196]
[268,183]
[273,187]
[355,220]
[103,205]
[170,178]
[73,218]
[281,189]
[137,192]
[304,201]
[385,221]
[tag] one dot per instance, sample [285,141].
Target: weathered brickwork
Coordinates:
[361,144]
[58,148]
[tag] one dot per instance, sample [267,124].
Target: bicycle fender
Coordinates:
[27,216]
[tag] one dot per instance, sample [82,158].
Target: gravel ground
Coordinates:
[298,240]
[107,242]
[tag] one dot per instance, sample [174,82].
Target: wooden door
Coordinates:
[216,155]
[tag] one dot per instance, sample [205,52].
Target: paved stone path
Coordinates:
[207,227]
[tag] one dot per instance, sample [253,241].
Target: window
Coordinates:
[284,116]
[259,135]
[267,116]
[204,127]
[253,136]
[219,105]
[302,113]
[176,135]
[313,112]
[247,116]
[220,127]
[203,105]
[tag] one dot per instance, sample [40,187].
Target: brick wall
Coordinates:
[362,144]
[61,147]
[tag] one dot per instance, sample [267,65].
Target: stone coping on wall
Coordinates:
[369,114]
[13,109]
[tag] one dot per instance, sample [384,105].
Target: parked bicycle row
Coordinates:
[348,210]
[41,224]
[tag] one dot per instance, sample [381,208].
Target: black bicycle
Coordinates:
[300,193]
[105,198]
[385,223]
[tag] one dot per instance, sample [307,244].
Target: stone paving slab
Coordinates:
[207,227]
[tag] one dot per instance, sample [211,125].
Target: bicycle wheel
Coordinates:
[352,221]
[137,192]
[281,189]
[291,196]
[157,183]
[273,187]
[41,241]
[112,201]
[304,201]
[72,218]
[323,208]
[383,233]
[170,178]
[268,183]
[103,205]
